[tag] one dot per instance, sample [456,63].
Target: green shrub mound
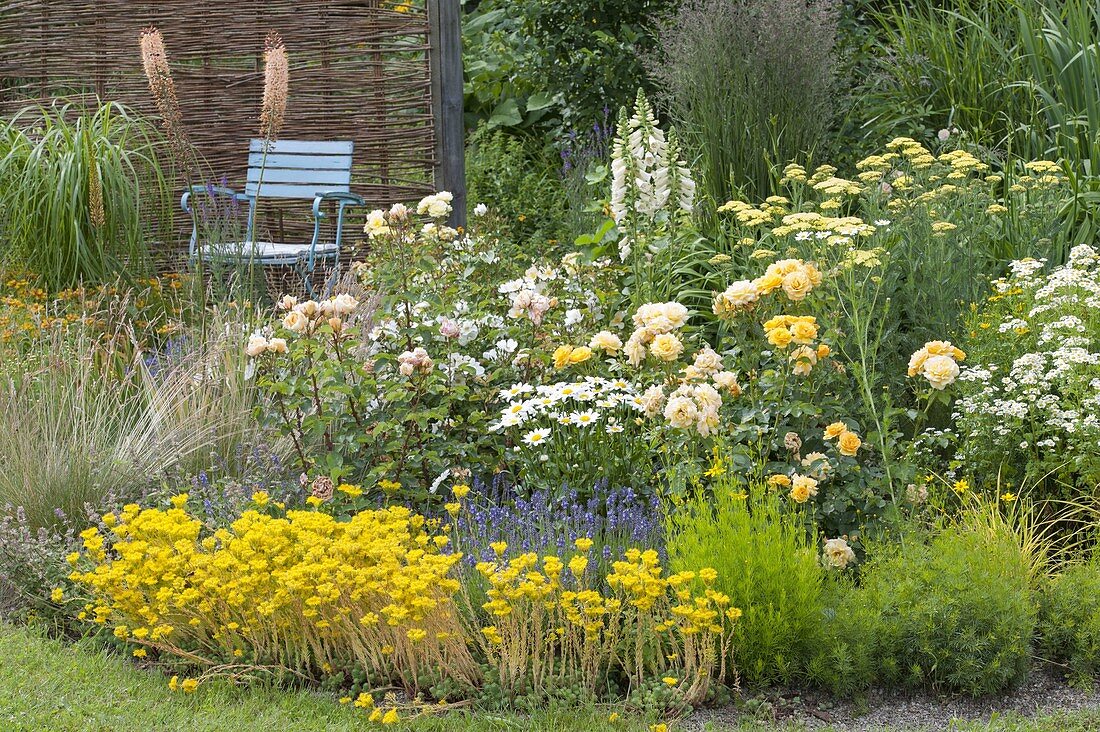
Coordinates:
[769,568]
[954,614]
[1069,623]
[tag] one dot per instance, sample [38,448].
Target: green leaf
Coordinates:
[539,100]
[506,114]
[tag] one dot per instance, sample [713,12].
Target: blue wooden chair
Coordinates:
[289,169]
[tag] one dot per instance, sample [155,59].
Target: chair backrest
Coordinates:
[298,168]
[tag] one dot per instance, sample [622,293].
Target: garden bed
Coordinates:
[737,402]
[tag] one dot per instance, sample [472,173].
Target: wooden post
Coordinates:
[445,60]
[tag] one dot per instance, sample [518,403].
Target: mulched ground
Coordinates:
[1043,692]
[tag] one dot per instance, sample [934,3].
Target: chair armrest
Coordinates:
[211,190]
[343,197]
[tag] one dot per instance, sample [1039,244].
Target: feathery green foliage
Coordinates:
[768,566]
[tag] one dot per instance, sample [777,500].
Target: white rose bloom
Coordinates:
[941,371]
[838,554]
[708,361]
[652,400]
[708,397]
[681,412]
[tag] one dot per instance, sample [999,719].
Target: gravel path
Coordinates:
[882,711]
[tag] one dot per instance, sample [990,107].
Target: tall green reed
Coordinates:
[1022,76]
[82,194]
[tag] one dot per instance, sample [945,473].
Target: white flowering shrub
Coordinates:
[1029,393]
[398,382]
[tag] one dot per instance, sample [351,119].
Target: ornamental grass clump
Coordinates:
[82,195]
[550,621]
[295,592]
[751,84]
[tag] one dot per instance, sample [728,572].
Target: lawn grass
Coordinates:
[47,686]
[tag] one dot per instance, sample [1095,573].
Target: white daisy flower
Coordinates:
[517,408]
[583,419]
[536,437]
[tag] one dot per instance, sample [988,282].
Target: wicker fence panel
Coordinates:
[359,70]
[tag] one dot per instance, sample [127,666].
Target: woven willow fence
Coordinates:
[376,72]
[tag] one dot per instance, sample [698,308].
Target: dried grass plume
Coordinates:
[276,87]
[154,58]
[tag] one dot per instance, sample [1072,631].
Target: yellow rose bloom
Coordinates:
[666,347]
[779,480]
[836,429]
[779,321]
[580,355]
[768,283]
[803,331]
[823,351]
[780,337]
[848,443]
[561,356]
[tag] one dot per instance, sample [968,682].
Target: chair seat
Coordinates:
[265,252]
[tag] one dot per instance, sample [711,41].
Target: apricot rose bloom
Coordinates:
[848,443]
[797,285]
[295,321]
[803,488]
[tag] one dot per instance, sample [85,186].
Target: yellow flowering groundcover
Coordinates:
[298,591]
[305,593]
